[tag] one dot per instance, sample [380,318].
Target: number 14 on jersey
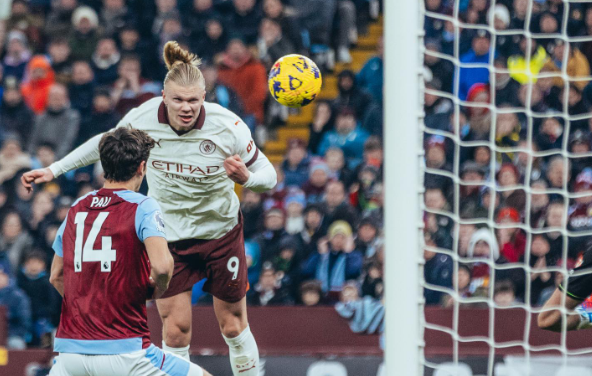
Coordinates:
[84,252]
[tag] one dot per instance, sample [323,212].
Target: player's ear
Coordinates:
[141,168]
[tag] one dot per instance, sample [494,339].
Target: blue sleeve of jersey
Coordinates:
[57,243]
[149,220]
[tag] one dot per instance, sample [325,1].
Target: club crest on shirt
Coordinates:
[207,147]
[159,221]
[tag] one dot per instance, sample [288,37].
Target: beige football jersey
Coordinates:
[186,172]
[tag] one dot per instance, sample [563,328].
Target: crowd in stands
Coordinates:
[70,69]
[523,205]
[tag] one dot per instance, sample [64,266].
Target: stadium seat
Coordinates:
[326,368]
[451,369]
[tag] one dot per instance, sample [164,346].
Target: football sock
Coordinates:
[182,352]
[244,354]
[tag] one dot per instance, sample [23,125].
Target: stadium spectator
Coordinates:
[102,117]
[165,9]
[506,87]
[512,240]
[347,135]
[437,271]
[59,19]
[84,37]
[296,165]
[82,87]
[351,95]
[336,207]
[60,58]
[273,232]
[15,116]
[245,18]
[371,76]
[441,69]
[288,20]
[17,55]
[12,157]
[211,45]
[335,260]
[578,65]
[318,177]
[38,80]
[198,15]
[15,241]
[337,168]
[479,54]
[252,209]
[246,76]
[58,125]
[314,230]
[115,15]
[316,17]
[504,294]
[23,20]
[271,44]
[18,308]
[311,293]
[347,32]
[34,281]
[105,60]
[269,290]
[322,122]
[294,203]
[131,90]
[223,95]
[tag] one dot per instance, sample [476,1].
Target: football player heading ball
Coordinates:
[201,151]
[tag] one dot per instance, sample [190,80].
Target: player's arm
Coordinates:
[161,263]
[249,166]
[56,277]
[150,230]
[84,155]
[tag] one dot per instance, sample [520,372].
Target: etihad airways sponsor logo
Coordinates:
[182,168]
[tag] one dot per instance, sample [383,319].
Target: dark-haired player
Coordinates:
[111,255]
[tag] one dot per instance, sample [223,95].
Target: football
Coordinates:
[294,80]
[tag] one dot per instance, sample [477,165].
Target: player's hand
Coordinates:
[236,169]
[41,175]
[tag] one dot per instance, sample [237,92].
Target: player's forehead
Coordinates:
[175,90]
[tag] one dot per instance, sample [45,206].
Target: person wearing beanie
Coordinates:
[85,35]
[317,181]
[512,240]
[351,95]
[294,204]
[335,260]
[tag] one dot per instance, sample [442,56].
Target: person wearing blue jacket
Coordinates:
[335,260]
[370,77]
[347,136]
[478,54]
[18,311]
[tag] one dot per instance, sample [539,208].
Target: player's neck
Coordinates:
[128,185]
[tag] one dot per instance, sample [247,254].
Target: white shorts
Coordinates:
[149,362]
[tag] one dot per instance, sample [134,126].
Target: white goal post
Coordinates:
[402,144]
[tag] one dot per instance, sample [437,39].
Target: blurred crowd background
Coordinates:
[70,69]
[522,209]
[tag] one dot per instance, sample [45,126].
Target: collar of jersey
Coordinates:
[163,118]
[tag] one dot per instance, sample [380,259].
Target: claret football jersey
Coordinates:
[106,272]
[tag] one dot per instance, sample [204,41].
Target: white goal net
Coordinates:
[507,173]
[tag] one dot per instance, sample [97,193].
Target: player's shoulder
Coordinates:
[220,116]
[81,199]
[133,197]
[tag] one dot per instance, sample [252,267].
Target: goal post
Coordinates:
[403,151]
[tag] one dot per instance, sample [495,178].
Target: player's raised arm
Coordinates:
[84,155]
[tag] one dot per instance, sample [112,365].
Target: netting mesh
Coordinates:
[507,207]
